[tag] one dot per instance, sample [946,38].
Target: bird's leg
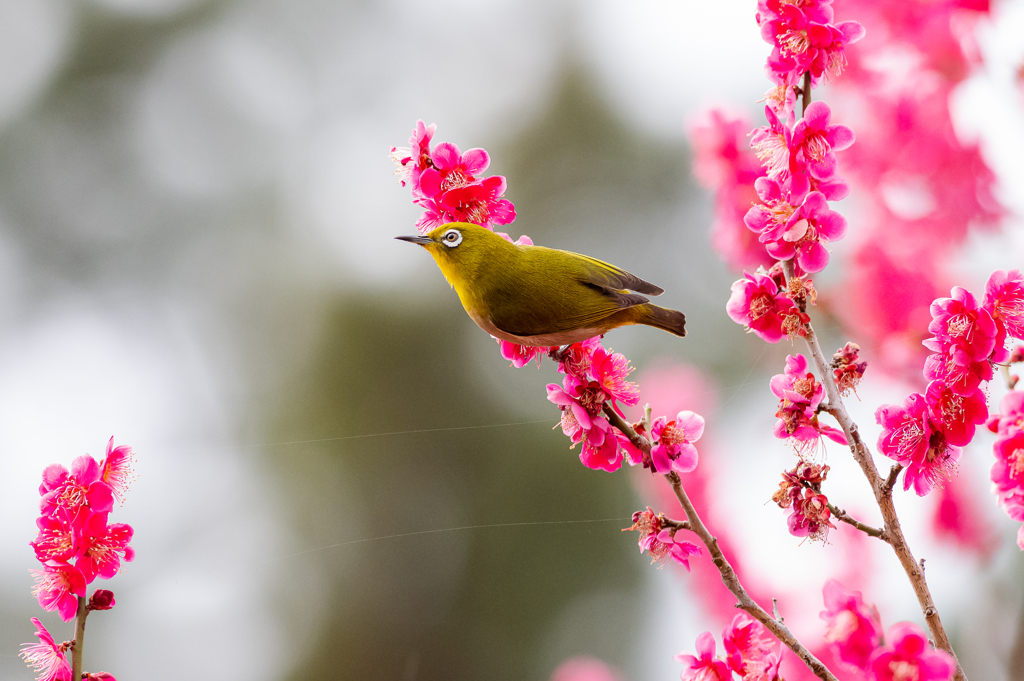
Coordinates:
[559,354]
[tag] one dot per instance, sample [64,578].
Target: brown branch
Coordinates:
[78,644]
[845,517]
[882,490]
[729,577]
[805,91]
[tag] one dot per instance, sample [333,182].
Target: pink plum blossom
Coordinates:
[749,648]
[673,449]
[610,371]
[961,328]
[411,161]
[56,540]
[854,628]
[451,169]
[67,493]
[847,371]
[799,395]
[1004,296]
[757,303]
[914,439]
[57,586]
[704,666]
[805,234]
[103,546]
[479,203]
[581,404]
[810,516]
[117,469]
[907,654]
[815,141]
[959,414]
[1008,469]
[660,541]
[773,144]
[46,657]
[961,379]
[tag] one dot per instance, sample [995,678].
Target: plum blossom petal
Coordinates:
[46,657]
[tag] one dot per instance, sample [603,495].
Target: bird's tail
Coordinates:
[660,317]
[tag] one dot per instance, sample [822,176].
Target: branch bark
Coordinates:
[79,643]
[729,577]
[882,489]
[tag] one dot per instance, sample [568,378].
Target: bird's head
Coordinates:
[460,249]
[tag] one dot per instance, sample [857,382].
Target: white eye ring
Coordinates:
[451,238]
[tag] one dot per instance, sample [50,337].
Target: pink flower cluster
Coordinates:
[927,432]
[800,491]
[793,219]
[593,377]
[76,544]
[855,635]
[799,395]
[804,39]
[750,651]
[659,541]
[448,183]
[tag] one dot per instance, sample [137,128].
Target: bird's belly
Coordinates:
[543,340]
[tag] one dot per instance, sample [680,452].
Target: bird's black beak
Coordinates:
[421,240]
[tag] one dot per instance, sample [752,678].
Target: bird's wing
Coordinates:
[564,294]
[600,273]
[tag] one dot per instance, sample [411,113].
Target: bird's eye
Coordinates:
[452,238]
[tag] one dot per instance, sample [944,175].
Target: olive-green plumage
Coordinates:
[539,296]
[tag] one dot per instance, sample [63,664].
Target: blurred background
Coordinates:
[338,475]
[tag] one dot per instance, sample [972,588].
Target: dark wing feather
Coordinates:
[609,276]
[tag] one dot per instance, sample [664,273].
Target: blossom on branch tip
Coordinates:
[610,371]
[451,169]
[66,493]
[704,666]
[659,542]
[46,657]
[673,448]
[411,161]
[56,540]
[854,628]
[962,379]
[907,654]
[116,469]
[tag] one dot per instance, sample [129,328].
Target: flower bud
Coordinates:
[102,599]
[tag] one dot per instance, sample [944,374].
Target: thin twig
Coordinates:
[729,577]
[845,517]
[883,494]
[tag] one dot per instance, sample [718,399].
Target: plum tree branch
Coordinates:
[730,579]
[882,489]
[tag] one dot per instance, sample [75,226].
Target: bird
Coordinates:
[537,296]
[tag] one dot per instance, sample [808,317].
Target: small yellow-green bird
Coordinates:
[531,295]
